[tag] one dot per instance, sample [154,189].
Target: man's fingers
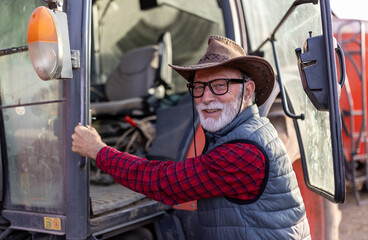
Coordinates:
[79,126]
[80,129]
[74,149]
[94,130]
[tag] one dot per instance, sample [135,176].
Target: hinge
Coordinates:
[75,56]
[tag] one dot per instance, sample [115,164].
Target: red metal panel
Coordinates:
[313,205]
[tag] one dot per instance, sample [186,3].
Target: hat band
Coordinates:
[213,58]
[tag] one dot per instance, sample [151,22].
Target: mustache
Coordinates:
[213,105]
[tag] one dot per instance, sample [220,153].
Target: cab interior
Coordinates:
[138,104]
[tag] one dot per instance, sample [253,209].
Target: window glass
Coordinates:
[315,128]
[14,22]
[21,85]
[34,141]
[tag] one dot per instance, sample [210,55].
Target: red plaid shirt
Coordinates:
[233,170]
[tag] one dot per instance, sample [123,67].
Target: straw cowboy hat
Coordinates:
[222,51]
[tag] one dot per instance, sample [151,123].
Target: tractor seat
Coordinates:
[129,82]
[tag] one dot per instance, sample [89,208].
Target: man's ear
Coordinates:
[249,88]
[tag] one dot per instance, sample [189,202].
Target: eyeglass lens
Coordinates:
[218,87]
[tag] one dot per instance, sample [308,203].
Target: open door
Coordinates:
[308,82]
[319,79]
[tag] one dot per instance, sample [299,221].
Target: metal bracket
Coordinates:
[55,4]
[75,56]
[59,5]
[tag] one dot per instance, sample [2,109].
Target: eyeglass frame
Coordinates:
[190,86]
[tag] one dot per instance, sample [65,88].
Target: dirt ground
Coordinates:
[354,222]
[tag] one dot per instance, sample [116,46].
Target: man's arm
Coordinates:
[234,170]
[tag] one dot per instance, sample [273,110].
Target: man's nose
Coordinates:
[208,96]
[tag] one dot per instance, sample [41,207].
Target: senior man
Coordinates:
[243,181]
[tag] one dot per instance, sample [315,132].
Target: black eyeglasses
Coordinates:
[217,86]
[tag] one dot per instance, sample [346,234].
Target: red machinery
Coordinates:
[351,34]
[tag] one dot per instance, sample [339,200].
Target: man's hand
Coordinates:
[86,141]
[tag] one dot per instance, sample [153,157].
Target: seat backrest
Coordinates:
[164,73]
[134,75]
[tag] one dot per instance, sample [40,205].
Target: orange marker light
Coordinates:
[44,44]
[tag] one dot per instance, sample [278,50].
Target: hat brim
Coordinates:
[255,67]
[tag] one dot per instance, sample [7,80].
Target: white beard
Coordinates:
[228,113]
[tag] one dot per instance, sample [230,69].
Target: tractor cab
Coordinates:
[105,63]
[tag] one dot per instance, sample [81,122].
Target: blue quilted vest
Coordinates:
[278,212]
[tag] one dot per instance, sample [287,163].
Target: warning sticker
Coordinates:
[52,223]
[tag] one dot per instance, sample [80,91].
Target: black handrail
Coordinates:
[282,91]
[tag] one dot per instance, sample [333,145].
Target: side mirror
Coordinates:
[48,44]
[312,70]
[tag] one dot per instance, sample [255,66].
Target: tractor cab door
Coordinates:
[32,133]
[297,39]
[43,191]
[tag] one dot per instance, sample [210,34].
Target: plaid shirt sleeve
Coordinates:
[233,170]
